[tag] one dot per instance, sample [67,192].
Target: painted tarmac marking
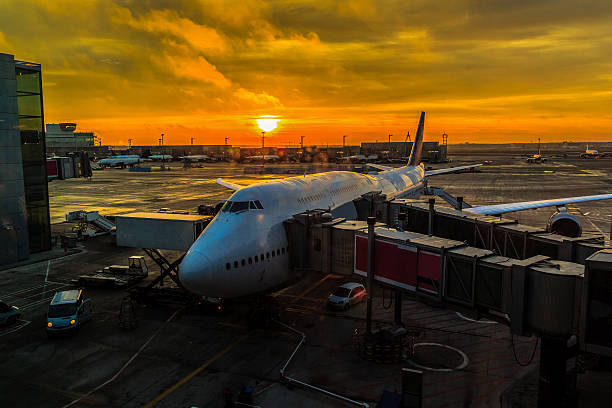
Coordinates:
[36,303]
[195,372]
[314,286]
[19,297]
[465,360]
[24,323]
[29,289]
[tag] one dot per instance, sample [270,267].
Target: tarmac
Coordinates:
[182,357]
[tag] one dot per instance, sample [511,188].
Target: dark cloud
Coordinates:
[200,64]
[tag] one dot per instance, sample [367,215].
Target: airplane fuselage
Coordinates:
[244,250]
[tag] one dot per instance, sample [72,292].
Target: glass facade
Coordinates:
[31,120]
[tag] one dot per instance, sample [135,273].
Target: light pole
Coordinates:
[344,145]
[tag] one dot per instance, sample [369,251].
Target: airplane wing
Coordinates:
[527,205]
[380,167]
[229,185]
[450,170]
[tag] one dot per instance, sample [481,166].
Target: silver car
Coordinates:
[347,295]
[8,314]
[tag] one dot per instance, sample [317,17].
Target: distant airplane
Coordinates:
[537,158]
[591,154]
[264,157]
[196,157]
[245,250]
[124,160]
[157,157]
[360,158]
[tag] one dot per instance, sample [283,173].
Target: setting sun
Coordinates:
[267,124]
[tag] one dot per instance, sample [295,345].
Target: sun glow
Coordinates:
[267,124]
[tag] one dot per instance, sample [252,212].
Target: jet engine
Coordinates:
[564,223]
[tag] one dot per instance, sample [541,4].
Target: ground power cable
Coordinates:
[126,365]
[294,381]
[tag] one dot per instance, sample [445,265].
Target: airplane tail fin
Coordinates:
[417,145]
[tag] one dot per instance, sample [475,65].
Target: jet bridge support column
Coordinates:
[398,308]
[371,266]
[432,211]
[557,387]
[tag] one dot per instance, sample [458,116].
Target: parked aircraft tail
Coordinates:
[417,145]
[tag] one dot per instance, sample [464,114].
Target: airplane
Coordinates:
[265,158]
[124,160]
[156,157]
[591,154]
[537,158]
[360,158]
[244,250]
[196,157]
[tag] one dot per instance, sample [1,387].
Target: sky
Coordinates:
[484,71]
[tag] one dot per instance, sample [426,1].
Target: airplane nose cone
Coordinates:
[195,273]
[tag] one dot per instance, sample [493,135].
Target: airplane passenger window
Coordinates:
[283,251]
[261,257]
[250,260]
[228,266]
[273,254]
[256,259]
[287,249]
[268,255]
[243,262]
[239,206]
[235,264]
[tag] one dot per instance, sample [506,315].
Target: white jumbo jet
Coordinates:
[245,251]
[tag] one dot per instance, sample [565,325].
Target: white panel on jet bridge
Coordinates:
[159,230]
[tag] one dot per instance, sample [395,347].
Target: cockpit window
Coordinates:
[226,207]
[258,204]
[238,206]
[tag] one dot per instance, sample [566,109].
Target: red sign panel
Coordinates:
[399,265]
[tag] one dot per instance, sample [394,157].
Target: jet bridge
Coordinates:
[502,235]
[554,299]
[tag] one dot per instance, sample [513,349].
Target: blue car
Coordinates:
[8,314]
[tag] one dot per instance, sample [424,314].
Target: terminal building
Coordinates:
[24,199]
[432,151]
[61,137]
